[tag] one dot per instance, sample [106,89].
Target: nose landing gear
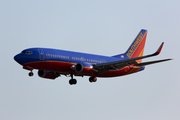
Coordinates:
[31,73]
[29,68]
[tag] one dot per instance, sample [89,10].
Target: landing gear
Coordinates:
[31,74]
[72,81]
[92,79]
[29,68]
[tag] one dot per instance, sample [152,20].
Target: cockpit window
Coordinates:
[27,52]
[24,51]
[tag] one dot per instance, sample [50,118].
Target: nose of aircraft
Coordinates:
[22,58]
[17,58]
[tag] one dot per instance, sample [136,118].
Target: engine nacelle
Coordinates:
[84,68]
[47,74]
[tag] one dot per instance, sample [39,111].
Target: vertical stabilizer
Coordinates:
[137,47]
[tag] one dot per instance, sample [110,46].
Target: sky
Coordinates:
[103,27]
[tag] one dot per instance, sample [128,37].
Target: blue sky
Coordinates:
[100,27]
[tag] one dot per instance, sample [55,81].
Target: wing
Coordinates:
[104,67]
[152,62]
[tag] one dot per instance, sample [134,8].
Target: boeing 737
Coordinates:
[51,63]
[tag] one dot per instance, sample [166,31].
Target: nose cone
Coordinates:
[17,58]
[22,58]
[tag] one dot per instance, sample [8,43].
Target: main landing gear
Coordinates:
[72,81]
[29,68]
[92,79]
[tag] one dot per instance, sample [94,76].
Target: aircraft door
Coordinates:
[41,54]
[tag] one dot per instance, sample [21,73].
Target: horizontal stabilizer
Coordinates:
[152,62]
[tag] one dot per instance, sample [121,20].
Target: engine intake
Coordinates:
[83,68]
[79,68]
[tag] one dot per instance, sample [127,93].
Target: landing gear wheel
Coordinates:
[72,81]
[31,74]
[92,79]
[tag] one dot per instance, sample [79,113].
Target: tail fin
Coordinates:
[137,47]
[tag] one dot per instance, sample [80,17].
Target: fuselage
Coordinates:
[61,61]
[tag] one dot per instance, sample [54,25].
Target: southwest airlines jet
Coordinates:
[51,63]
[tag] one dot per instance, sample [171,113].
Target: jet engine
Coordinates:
[47,74]
[84,68]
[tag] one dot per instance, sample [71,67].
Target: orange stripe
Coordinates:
[133,70]
[141,54]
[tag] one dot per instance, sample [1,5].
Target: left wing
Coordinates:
[127,62]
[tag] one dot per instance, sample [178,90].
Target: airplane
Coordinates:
[52,63]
